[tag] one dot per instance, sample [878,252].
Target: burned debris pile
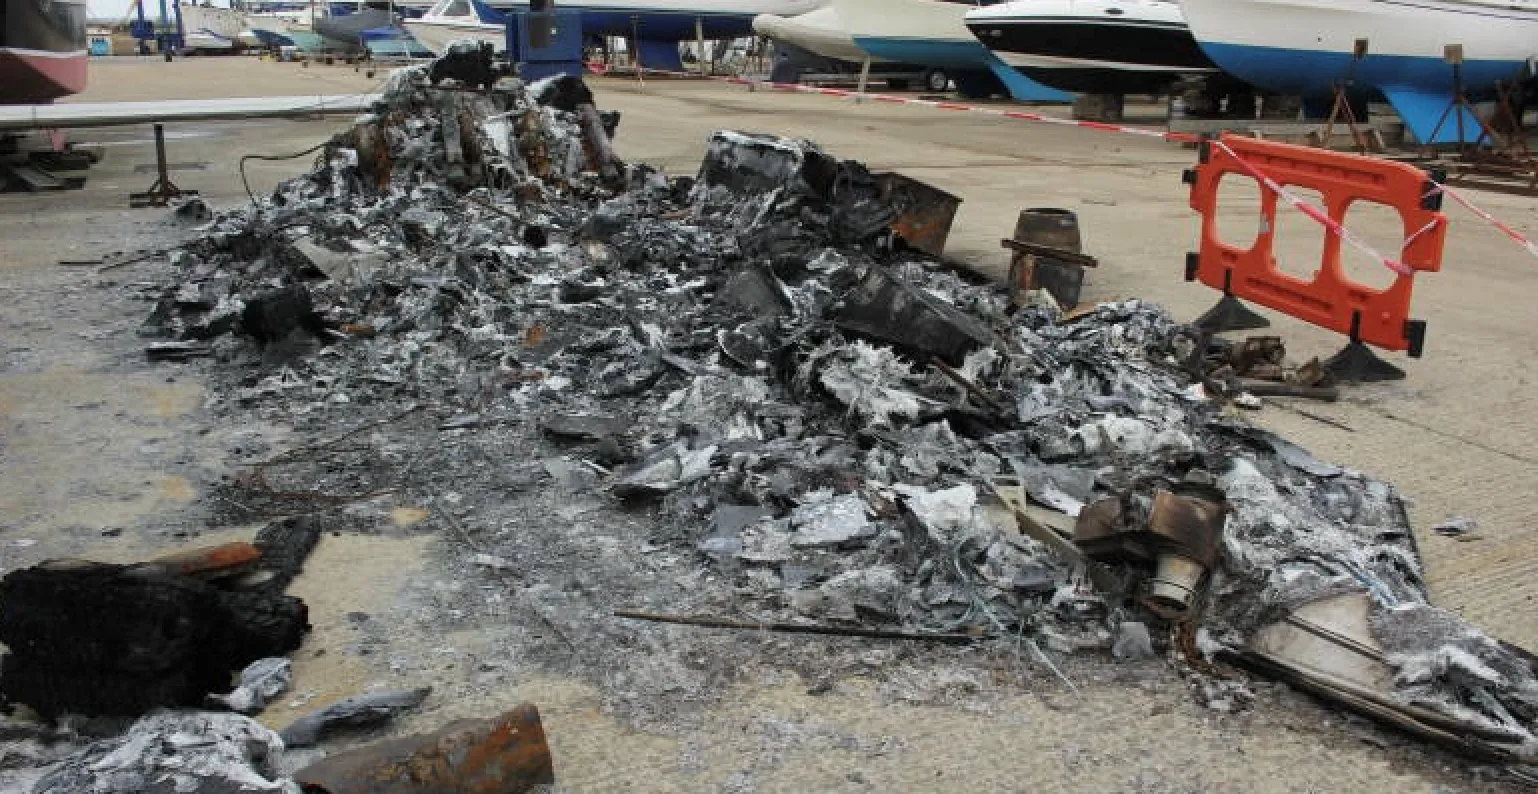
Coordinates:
[848,432]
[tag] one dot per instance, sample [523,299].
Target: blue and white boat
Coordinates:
[1306,47]
[1093,46]
[656,26]
[934,33]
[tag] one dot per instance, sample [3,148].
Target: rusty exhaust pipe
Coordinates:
[503,755]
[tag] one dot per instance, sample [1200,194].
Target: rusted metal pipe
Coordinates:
[211,562]
[504,755]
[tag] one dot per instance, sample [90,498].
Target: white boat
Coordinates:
[1093,46]
[657,26]
[913,31]
[208,28]
[271,24]
[451,20]
[934,33]
[819,32]
[1305,47]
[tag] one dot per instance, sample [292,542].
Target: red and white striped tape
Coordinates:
[1532,248]
[1301,205]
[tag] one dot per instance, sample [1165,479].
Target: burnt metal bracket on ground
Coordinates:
[164,190]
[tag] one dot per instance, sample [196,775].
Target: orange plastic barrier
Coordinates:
[1330,299]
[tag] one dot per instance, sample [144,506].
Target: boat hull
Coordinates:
[43,51]
[933,33]
[819,32]
[221,22]
[929,32]
[1303,47]
[645,19]
[1093,46]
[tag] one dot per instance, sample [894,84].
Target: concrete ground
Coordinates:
[93,440]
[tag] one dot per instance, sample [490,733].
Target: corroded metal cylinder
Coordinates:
[1174,582]
[1049,226]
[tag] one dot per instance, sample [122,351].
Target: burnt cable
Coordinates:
[272,157]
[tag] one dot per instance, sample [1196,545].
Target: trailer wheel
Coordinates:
[937,81]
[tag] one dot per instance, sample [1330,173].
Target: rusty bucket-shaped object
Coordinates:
[1051,227]
[1048,254]
[504,755]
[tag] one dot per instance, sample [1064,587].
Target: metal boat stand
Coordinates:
[1342,105]
[164,190]
[1459,107]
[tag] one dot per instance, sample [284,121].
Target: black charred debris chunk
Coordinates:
[121,640]
[272,315]
[884,308]
[470,63]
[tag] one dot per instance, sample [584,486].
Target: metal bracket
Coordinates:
[164,190]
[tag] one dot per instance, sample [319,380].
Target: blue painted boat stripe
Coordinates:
[1315,72]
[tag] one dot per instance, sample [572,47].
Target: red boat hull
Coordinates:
[32,76]
[42,50]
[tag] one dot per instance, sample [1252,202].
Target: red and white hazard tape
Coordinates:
[1532,248]
[941,105]
[1301,205]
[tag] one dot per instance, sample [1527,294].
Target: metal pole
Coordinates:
[864,78]
[160,158]
[1458,97]
[635,49]
[699,43]
[165,23]
[143,47]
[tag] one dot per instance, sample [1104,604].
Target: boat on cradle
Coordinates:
[1093,46]
[208,28]
[1308,47]
[268,24]
[656,27]
[271,24]
[43,50]
[816,43]
[934,33]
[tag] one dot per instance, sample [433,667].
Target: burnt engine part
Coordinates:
[472,64]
